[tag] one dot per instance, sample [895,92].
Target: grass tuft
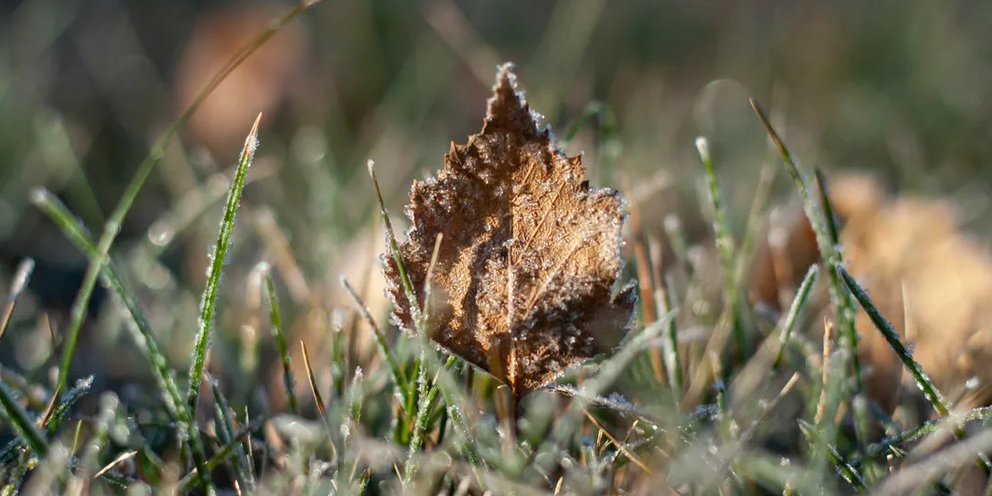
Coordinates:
[819,214]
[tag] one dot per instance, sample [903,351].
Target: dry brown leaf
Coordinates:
[523,285]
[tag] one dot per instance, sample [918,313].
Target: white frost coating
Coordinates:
[39,195]
[619,400]
[704,148]
[21,277]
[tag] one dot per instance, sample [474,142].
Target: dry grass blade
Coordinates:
[17,285]
[50,409]
[314,390]
[648,286]
[828,339]
[663,302]
[277,244]
[117,461]
[620,446]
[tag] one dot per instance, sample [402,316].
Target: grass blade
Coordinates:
[222,454]
[17,286]
[23,425]
[798,304]
[208,302]
[843,468]
[724,244]
[394,251]
[923,380]
[66,401]
[97,445]
[115,462]
[141,329]
[275,318]
[380,337]
[314,390]
[225,431]
[138,325]
[424,386]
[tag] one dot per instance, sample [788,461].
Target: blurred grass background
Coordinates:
[896,88]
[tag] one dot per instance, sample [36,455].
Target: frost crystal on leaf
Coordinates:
[523,285]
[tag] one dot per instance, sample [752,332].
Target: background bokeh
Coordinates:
[898,88]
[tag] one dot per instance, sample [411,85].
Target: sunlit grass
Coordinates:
[390,413]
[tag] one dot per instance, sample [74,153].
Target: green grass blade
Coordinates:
[208,302]
[221,456]
[843,467]
[795,309]
[724,243]
[888,332]
[23,425]
[138,325]
[828,210]
[447,392]
[380,338]
[670,346]
[141,329]
[928,427]
[67,401]
[394,251]
[721,229]
[225,432]
[820,216]
[275,317]
[420,421]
